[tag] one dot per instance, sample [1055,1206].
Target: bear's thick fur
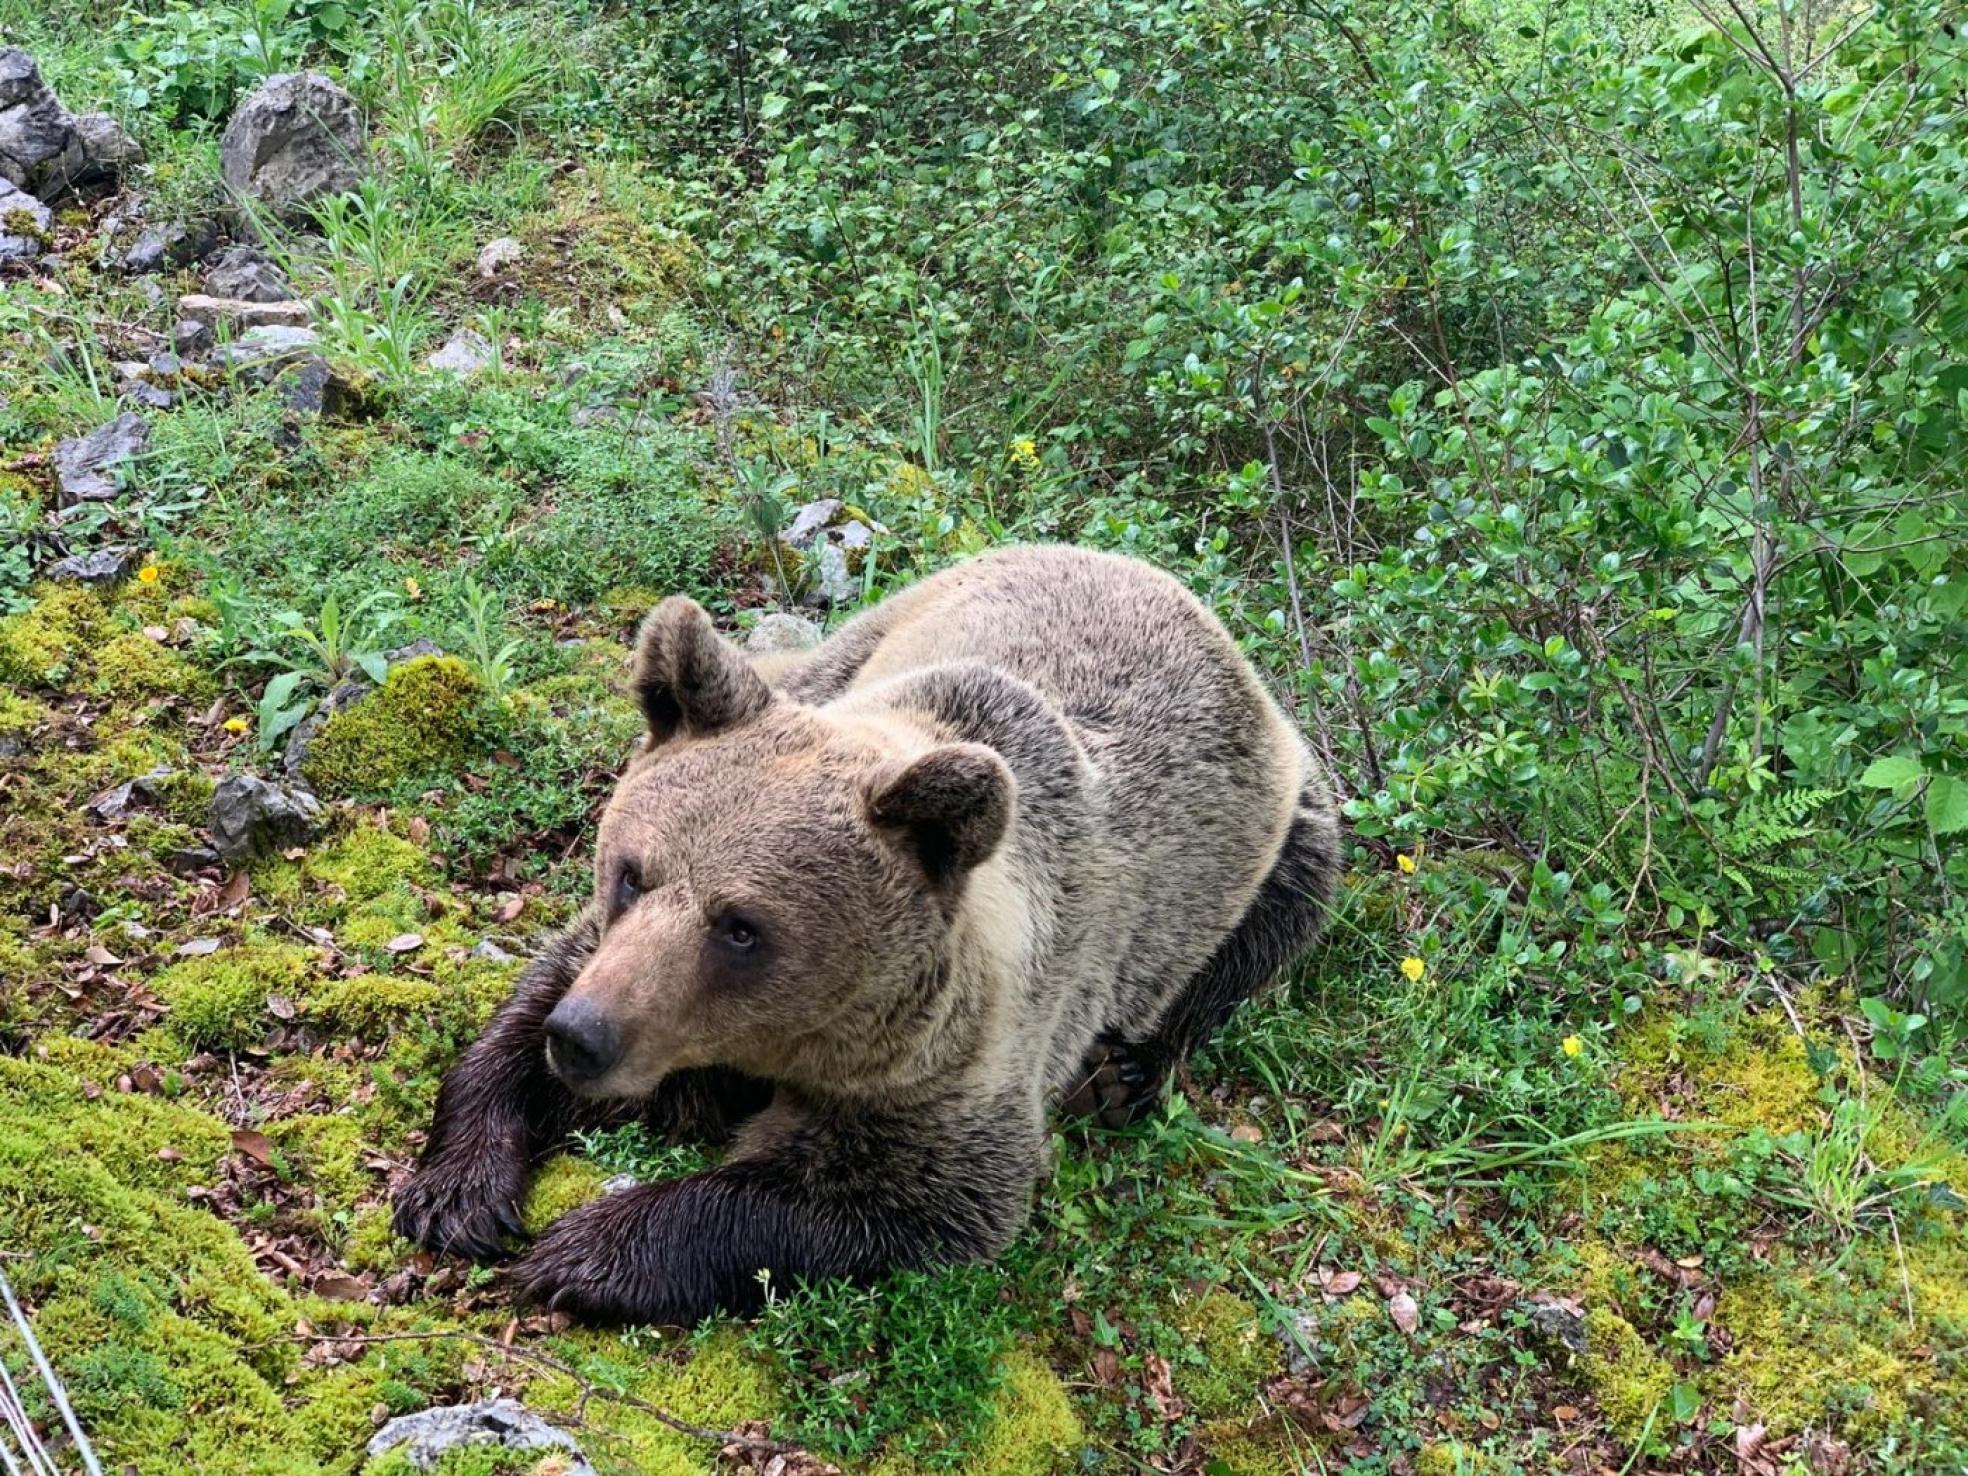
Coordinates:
[1022,835]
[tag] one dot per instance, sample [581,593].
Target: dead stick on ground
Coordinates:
[555,1365]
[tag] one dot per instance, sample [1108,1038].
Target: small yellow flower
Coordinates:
[1414,968]
[1571,1045]
[149,574]
[1025,451]
[413,589]
[1400,1129]
[236,725]
[1406,863]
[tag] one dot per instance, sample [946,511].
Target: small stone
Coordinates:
[498,255]
[160,246]
[148,395]
[246,273]
[501,1423]
[589,415]
[85,466]
[24,224]
[102,566]
[809,521]
[165,363]
[464,352]
[1559,1321]
[489,952]
[253,818]
[833,583]
[191,336]
[616,1183]
[312,387]
[288,312]
[114,803]
[260,354]
[1301,1342]
[779,632]
[298,138]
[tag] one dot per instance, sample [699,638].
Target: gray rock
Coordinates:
[297,139]
[159,246]
[1559,1322]
[103,566]
[489,952]
[45,149]
[189,336]
[24,224]
[585,416]
[164,362]
[114,803]
[1300,1337]
[253,818]
[809,522]
[150,396]
[618,1183]
[85,466]
[832,581]
[498,255]
[779,632]
[505,1424]
[261,353]
[464,352]
[247,274]
[312,387]
[240,312]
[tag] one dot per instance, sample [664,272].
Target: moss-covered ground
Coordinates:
[1415,1213]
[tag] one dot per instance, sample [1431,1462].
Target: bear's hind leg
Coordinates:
[1122,1078]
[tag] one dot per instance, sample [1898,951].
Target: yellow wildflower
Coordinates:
[236,725]
[1025,451]
[1406,863]
[1571,1045]
[149,574]
[1414,968]
[412,588]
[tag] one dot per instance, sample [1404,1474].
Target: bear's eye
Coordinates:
[736,933]
[628,887]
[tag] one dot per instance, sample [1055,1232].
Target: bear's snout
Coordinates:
[583,1044]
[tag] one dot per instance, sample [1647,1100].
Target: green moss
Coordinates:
[563,1183]
[1034,1429]
[43,645]
[325,1153]
[369,862]
[219,1001]
[1451,1458]
[1233,1355]
[372,1245]
[131,667]
[1629,1379]
[369,1006]
[18,715]
[424,720]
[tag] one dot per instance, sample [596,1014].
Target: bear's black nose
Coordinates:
[582,1043]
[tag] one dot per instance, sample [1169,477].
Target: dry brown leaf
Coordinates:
[254,1144]
[1336,1284]
[1407,1316]
[341,1288]
[405,943]
[1244,1132]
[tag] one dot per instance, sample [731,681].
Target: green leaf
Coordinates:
[772,106]
[1947,804]
[1892,772]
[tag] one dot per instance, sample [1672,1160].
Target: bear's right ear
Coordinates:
[688,678]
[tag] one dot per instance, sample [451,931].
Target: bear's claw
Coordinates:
[1117,1086]
[459,1212]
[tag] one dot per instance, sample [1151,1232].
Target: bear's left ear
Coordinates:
[690,679]
[952,805]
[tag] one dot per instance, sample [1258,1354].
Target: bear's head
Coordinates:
[776,884]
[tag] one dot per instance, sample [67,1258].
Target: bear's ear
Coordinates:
[952,805]
[688,678]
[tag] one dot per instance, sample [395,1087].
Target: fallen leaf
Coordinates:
[1107,1366]
[101,956]
[254,1144]
[198,947]
[1325,1130]
[1243,1132]
[1401,1307]
[1346,1413]
[1336,1284]
[1750,1458]
[1161,1388]
[405,943]
[510,909]
[170,1155]
[341,1288]
[419,829]
[281,1007]
[1564,1412]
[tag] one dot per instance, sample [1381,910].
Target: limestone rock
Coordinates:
[503,1424]
[85,466]
[779,632]
[252,818]
[297,139]
[24,224]
[247,274]
[45,149]
[243,312]
[464,352]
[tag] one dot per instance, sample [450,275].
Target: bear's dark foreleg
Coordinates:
[806,1196]
[500,1107]
[1123,1078]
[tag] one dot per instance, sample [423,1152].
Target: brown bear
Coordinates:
[1021,835]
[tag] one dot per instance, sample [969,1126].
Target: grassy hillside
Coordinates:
[1564,406]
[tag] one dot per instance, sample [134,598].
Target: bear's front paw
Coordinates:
[604,1262]
[462,1206]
